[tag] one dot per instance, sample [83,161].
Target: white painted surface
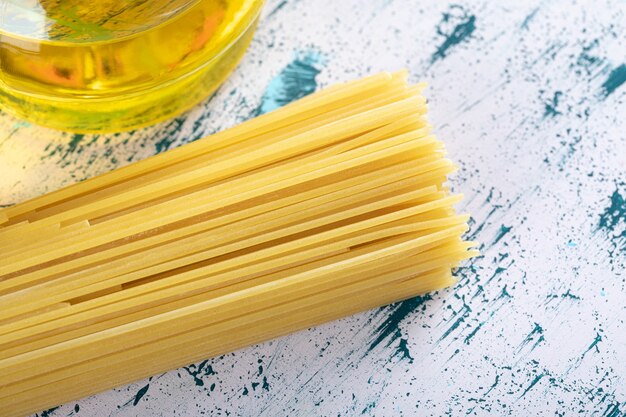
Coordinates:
[535,326]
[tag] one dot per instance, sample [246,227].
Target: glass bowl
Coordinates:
[115,65]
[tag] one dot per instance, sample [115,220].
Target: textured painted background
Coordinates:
[530,99]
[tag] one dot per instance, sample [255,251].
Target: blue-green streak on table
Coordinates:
[531,102]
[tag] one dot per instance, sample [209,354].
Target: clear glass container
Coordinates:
[113,65]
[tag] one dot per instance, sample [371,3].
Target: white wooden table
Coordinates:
[531,101]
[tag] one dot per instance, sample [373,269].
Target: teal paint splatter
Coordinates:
[613,219]
[20,124]
[593,345]
[456,26]
[569,295]
[616,78]
[292,83]
[403,350]
[566,295]
[265,385]
[74,145]
[536,331]
[532,384]
[140,394]
[389,329]
[588,62]
[482,398]
[479,290]
[277,8]
[499,270]
[452,328]
[49,412]
[540,340]
[503,294]
[528,18]
[172,129]
[462,315]
[197,371]
[470,336]
[495,384]
[368,408]
[613,411]
[551,105]
[501,233]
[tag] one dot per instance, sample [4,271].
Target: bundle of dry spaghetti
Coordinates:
[331,205]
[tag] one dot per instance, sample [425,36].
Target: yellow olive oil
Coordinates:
[112,65]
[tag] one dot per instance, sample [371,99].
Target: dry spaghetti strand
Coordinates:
[331,205]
